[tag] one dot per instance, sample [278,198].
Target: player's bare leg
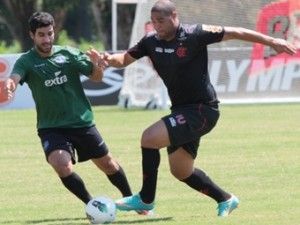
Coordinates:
[114,173]
[61,162]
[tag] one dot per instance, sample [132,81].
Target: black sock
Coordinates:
[201,182]
[150,163]
[75,184]
[120,181]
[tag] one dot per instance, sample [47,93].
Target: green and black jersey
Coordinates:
[56,87]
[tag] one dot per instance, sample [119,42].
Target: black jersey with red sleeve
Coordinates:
[182,63]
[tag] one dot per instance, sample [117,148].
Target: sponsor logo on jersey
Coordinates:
[57,73]
[164,50]
[58,80]
[212,28]
[159,49]
[169,50]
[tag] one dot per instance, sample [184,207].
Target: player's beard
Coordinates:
[44,48]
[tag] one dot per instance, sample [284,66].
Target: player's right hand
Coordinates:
[9,88]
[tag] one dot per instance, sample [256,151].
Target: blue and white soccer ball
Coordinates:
[101,210]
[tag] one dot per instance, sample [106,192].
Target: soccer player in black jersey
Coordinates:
[65,120]
[179,55]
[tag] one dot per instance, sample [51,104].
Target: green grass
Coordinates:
[253,152]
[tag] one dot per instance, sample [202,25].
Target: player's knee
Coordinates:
[175,174]
[179,174]
[147,139]
[63,169]
[61,163]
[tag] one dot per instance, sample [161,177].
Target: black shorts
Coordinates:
[186,124]
[86,142]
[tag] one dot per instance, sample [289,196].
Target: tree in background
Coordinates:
[15,14]
[88,20]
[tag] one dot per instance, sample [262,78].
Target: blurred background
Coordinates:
[79,23]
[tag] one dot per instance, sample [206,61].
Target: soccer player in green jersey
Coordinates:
[65,121]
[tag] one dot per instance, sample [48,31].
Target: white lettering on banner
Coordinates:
[292,72]
[231,77]
[235,73]
[279,76]
[215,74]
[263,80]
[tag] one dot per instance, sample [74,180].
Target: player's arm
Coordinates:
[11,85]
[279,45]
[117,60]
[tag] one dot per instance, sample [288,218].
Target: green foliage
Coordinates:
[83,45]
[63,39]
[15,47]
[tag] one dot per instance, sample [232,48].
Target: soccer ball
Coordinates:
[101,210]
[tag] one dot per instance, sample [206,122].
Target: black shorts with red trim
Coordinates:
[187,124]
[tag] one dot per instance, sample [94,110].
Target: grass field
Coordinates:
[253,152]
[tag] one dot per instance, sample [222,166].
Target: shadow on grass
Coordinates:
[84,221]
[146,220]
[64,221]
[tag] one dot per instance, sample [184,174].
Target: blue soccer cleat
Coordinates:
[135,203]
[225,208]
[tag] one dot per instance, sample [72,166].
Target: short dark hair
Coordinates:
[40,19]
[166,7]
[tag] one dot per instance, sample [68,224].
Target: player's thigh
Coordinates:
[89,144]
[181,163]
[188,123]
[156,136]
